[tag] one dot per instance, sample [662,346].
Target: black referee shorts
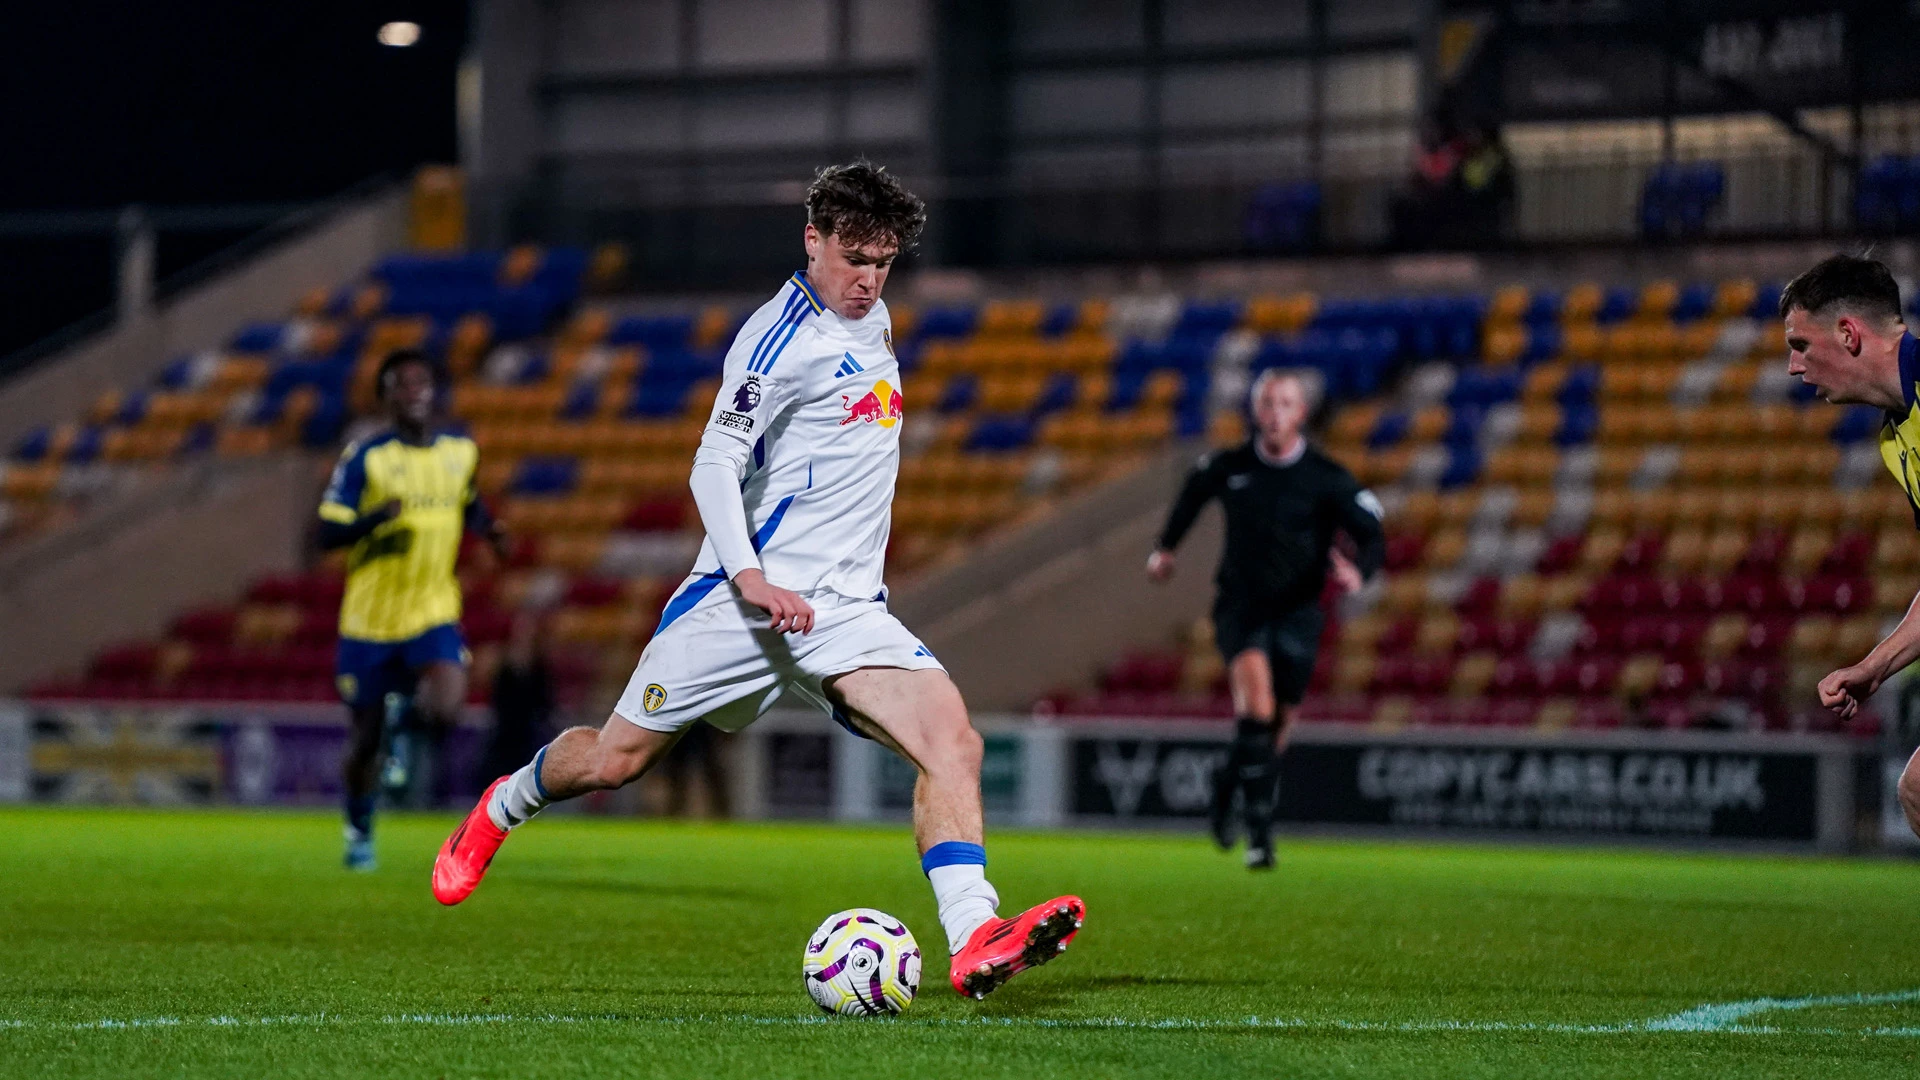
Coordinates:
[1289,636]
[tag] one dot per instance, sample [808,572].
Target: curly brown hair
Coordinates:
[862,203]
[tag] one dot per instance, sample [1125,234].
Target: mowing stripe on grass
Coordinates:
[1719,1019]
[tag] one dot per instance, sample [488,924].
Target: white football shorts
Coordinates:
[720,660]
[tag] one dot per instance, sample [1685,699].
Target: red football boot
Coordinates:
[1003,948]
[463,859]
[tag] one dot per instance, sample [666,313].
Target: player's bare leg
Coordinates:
[920,715]
[1908,791]
[438,695]
[579,761]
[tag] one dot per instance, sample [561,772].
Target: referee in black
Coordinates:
[1284,501]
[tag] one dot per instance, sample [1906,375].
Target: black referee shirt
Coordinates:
[1281,521]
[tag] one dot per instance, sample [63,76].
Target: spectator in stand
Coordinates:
[1486,187]
[1420,212]
[522,699]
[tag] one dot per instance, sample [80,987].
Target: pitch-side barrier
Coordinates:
[1785,791]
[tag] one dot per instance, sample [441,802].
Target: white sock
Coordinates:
[966,900]
[520,797]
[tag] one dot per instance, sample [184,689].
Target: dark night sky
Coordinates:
[208,101]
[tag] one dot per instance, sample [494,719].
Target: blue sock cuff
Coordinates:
[540,759]
[953,853]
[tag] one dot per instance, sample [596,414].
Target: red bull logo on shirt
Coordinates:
[881,405]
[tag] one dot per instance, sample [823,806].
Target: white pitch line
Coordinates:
[1722,1019]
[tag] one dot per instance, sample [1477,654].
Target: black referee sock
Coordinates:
[1259,775]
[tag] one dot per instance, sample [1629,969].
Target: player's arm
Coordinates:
[341,522]
[747,404]
[1359,514]
[1846,690]
[1203,483]
[479,519]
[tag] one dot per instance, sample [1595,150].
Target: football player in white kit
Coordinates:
[794,482]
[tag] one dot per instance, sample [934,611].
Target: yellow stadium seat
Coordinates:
[1472,674]
[576,552]
[1456,508]
[1009,393]
[1735,509]
[1522,595]
[1734,297]
[1437,633]
[1429,424]
[1890,594]
[368,300]
[1697,340]
[1896,549]
[1657,299]
[1280,314]
[716,322]
[1503,344]
[1162,391]
[1810,544]
[1544,381]
[1582,302]
[248,440]
[313,303]
[1615,465]
[1444,549]
[1352,672]
[1582,341]
[1812,636]
[1602,548]
[1724,634]
[1404,594]
[1685,551]
[1509,304]
[1009,318]
[1534,507]
[1563,592]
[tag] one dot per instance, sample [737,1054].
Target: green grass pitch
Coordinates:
[212,944]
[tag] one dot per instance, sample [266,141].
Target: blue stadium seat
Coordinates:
[258,337]
[1578,423]
[1859,423]
[1463,466]
[1581,384]
[947,323]
[1389,430]
[959,394]
[1059,319]
[546,476]
[1058,394]
[1694,302]
[992,433]
[33,446]
[583,398]
[652,331]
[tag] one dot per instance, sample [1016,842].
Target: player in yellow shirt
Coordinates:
[1846,339]
[400,500]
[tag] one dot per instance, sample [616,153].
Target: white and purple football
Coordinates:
[862,962]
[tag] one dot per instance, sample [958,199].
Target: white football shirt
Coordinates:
[815,401]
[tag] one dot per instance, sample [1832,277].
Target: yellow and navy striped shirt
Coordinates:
[1900,431]
[400,580]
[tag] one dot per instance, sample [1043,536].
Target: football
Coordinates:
[862,962]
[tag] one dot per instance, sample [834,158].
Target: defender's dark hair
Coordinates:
[862,203]
[395,361]
[1863,286]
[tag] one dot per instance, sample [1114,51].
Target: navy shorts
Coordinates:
[367,671]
